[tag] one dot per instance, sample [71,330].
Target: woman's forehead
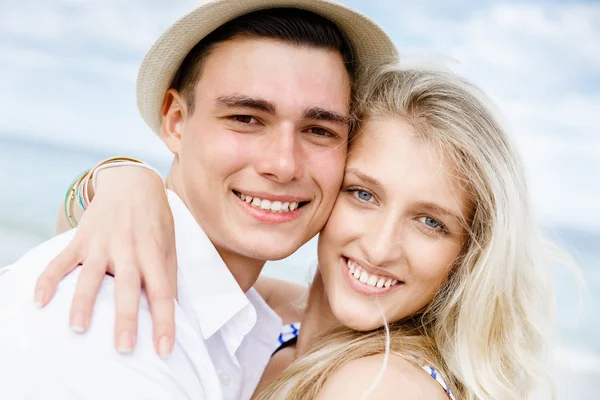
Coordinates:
[390,151]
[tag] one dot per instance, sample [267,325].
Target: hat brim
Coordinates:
[371,45]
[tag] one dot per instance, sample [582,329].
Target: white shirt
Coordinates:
[224,338]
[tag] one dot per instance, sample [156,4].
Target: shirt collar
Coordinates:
[204,282]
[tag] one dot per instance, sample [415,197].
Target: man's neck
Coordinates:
[318,316]
[245,270]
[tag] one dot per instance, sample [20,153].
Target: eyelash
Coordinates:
[234,118]
[440,229]
[354,192]
[326,133]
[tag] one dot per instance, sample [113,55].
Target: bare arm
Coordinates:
[128,232]
[62,225]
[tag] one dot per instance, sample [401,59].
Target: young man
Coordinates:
[253,105]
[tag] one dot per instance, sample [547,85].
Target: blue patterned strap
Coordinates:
[289,332]
[431,371]
[288,336]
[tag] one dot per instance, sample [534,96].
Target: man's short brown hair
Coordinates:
[294,26]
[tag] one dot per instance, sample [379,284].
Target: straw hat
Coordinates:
[370,43]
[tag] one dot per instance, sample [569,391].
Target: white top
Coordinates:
[224,337]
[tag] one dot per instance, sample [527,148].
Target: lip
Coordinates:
[371,269]
[268,216]
[363,288]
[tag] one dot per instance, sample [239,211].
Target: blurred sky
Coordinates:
[68,68]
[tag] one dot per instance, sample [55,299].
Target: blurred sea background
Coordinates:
[67,100]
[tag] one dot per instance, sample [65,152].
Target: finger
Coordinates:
[45,286]
[161,292]
[88,284]
[128,289]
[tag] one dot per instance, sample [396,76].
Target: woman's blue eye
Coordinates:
[430,222]
[365,196]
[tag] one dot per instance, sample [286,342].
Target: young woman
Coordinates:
[432,281]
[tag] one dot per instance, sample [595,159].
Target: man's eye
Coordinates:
[244,119]
[321,132]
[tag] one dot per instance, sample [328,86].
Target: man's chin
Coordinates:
[271,254]
[272,249]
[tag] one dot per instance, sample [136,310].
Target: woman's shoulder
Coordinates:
[401,376]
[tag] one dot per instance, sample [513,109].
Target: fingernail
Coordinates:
[38,299]
[164,347]
[125,344]
[78,322]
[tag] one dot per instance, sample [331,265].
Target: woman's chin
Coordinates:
[351,317]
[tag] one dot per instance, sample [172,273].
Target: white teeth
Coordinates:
[366,278]
[265,205]
[351,266]
[275,206]
[372,281]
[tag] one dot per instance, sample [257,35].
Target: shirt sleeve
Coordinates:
[41,358]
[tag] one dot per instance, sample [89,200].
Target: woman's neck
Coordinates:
[318,316]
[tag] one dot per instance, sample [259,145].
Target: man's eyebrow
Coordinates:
[366,178]
[321,114]
[241,101]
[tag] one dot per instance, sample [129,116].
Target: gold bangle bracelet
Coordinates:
[70,199]
[86,176]
[111,160]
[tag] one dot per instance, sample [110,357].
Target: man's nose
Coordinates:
[280,160]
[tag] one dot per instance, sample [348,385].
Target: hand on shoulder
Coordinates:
[401,379]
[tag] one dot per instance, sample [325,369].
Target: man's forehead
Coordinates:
[265,62]
[275,76]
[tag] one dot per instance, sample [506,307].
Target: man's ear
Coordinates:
[174,112]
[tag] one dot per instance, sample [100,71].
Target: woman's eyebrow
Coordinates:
[436,208]
[366,178]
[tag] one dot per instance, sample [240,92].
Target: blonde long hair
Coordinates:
[486,329]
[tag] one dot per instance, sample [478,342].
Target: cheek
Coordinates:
[212,151]
[326,168]
[340,236]
[430,261]
[342,227]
